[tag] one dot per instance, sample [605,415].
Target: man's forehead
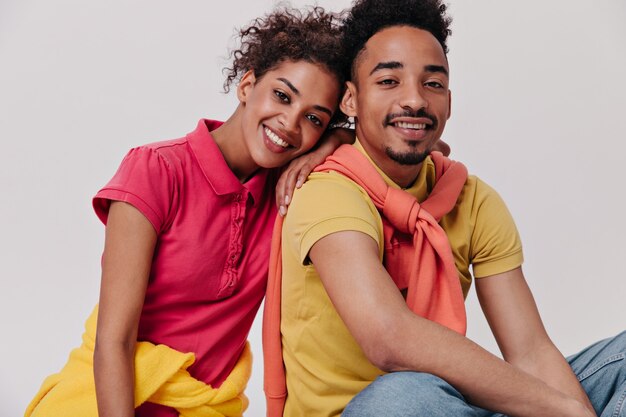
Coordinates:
[404,44]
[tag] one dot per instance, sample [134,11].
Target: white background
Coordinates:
[539,106]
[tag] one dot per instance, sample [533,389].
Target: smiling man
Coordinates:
[377,249]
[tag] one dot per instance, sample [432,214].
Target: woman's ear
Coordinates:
[348,102]
[245,86]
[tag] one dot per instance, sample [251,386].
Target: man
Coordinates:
[366,285]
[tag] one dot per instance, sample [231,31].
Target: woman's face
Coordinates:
[286,110]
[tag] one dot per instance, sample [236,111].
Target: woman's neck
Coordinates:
[231,142]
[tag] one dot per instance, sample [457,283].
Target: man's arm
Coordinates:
[514,319]
[395,339]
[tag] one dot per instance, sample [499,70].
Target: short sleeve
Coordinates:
[495,244]
[147,182]
[328,203]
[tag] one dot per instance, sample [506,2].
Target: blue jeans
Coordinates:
[600,368]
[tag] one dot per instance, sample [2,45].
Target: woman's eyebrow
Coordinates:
[297,92]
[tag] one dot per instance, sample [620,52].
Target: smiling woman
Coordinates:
[188,225]
[281,116]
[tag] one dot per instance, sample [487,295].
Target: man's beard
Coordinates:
[412,157]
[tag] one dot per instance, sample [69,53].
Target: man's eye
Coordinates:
[387,81]
[281,96]
[434,84]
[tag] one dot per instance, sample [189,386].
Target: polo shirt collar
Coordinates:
[214,166]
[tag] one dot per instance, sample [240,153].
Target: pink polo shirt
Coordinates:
[209,269]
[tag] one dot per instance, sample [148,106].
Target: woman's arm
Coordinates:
[128,251]
[298,170]
[294,175]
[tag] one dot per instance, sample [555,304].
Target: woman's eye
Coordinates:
[316,120]
[281,96]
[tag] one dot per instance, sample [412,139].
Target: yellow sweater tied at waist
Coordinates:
[161,377]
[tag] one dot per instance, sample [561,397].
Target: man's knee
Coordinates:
[620,339]
[404,394]
[418,382]
[602,361]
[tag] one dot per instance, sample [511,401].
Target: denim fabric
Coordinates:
[600,368]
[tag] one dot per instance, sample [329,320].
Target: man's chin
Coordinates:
[407,157]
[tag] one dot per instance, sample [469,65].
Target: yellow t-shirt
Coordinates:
[324,365]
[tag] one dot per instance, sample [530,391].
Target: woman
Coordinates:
[188,228]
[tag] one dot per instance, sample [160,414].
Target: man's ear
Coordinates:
[449,104]
[348,102]
[245,86]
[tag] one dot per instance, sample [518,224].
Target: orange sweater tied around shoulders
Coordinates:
[433,288]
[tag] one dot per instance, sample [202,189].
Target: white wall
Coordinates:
[538,112]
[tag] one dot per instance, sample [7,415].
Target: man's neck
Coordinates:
[403,175]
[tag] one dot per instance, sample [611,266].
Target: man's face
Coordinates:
[399,96]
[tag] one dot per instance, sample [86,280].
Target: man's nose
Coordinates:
[412,98]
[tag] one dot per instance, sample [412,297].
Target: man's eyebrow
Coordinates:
[436,68]
[291,86]
[399,65]
[297,92]
[387,65]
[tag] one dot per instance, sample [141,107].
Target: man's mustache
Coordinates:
[415,114]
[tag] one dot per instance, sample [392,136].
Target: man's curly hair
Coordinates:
[368,17]
[312,35]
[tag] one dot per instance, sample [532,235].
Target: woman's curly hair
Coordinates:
[368,17]
[312,35]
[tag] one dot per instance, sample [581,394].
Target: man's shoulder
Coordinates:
[328,203]
[330,195]
[330,186]
[477,199]
[476,191]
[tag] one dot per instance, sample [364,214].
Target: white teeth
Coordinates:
[405,125]
[275,139]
